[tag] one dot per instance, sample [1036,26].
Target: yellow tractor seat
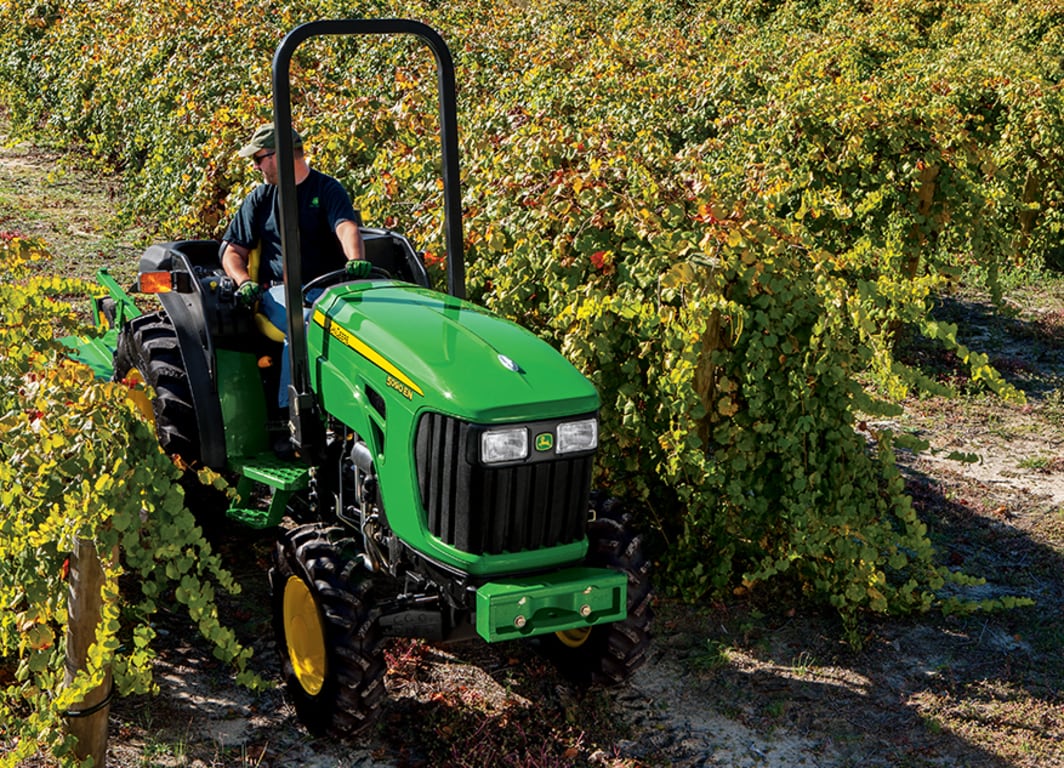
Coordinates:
[266,328]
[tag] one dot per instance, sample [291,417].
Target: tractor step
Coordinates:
[274,472]
[259,519]
[282,477]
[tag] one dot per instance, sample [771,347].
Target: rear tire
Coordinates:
[609,654]
[148,352]
[330,645]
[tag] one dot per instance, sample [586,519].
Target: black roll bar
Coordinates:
[302,405]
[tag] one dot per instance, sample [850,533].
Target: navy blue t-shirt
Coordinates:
[323,203]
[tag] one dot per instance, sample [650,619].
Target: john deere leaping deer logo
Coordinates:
[544,441]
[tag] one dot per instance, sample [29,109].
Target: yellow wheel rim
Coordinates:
[304,635]
[139,397]
[574,638]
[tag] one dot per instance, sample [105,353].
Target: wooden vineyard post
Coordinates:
[89,722]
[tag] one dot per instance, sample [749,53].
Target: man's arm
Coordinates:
[235,262]
[350,239]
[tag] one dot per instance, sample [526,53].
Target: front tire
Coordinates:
[609,654]
[329,642]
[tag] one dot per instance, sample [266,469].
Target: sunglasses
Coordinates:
[258,159]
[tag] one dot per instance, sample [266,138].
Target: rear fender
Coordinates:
[181,274]
[198,360]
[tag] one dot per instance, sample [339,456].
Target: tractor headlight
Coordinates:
[576,436]
[500,445]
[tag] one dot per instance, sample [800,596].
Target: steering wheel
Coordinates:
[338,276]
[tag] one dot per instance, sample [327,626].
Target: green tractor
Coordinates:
[443,483]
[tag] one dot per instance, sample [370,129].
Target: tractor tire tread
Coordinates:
[148,344]
[354,689]
[613,652]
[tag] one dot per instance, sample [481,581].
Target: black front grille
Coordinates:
[490,510]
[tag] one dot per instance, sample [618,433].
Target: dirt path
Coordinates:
[742,684]
[74,211]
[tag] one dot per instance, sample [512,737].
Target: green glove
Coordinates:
[358,268]
[247,293]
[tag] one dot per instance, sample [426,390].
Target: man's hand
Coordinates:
[247,293]
[359,269]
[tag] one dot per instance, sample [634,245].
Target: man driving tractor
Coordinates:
[328,231]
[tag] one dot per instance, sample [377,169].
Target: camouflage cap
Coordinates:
[264,138]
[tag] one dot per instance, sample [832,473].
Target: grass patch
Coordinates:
[73,211]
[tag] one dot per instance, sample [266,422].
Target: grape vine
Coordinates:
[724,213]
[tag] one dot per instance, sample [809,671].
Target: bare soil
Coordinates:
[761,681]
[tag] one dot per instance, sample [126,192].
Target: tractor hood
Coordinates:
[444,354]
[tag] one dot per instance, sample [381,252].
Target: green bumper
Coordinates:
[575,598]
